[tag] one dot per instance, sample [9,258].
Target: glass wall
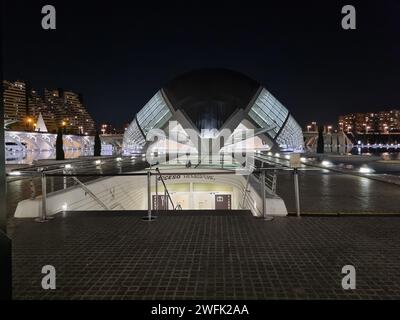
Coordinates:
[268,112]
[133,138]
[154,114]
[291,136]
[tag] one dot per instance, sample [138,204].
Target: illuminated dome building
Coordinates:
[210,103]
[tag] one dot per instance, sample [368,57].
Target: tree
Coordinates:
[320,142]
[97,145]
[59,146]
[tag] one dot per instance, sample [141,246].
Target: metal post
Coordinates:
[296,190]
[156,183]
[64,180]
[32,186]
[165,199]
[264,207]
[149,195]
[263,192]
[43,212]
[148,217]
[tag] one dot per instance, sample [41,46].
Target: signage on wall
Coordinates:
[295,160]
[188,176]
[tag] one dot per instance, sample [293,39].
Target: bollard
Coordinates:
[296,190]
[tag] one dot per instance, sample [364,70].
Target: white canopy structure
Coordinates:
[40,125]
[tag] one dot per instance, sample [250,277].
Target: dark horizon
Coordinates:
[118,56]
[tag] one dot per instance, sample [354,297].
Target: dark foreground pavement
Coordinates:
[205,256]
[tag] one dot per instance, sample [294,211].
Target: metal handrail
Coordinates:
[245,190]
[87,190]
[165,188]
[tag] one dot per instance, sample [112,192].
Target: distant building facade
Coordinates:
[69,111]
[37,106]
[15,103]
[58,107]
[372,122]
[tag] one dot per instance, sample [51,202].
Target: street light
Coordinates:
[29,121]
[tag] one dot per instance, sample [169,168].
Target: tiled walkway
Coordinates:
[206,256]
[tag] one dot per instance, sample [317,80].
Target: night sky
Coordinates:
[119,53]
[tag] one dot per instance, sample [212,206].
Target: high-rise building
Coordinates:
[77,114]
[59,108]
[15,106]
[37,106]
[69,110]
[372,122]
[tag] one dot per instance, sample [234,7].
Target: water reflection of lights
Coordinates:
[365,169]
[326,163]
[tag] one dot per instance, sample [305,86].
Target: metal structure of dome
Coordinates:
[207,100]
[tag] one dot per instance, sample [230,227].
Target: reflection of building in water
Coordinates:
[209,111]
[24,147]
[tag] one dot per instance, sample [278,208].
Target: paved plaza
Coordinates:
[205,255]
[323,192]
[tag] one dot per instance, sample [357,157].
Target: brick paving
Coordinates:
[202,255]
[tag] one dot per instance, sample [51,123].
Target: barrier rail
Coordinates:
[267,178]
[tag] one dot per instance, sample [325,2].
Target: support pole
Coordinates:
[149,217]
[149,195]
[296,190]
[263,192]
[64,180]
[156,183]
[43,210]
[264,206]
[165,199]
[32,186]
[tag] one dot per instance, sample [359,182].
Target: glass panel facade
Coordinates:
[154,114]
[268,112]
[291,136]
[133,138]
